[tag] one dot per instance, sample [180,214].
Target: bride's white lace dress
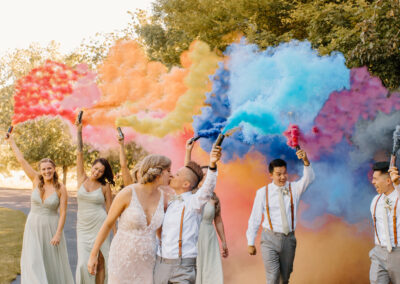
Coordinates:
[133,249]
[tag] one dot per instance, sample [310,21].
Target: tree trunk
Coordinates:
[65,171]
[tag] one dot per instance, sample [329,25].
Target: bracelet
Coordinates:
[213,169]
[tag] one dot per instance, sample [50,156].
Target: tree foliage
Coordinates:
[365,31]
[40,138]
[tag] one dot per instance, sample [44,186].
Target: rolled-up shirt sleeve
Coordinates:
[255,218]
[204,194]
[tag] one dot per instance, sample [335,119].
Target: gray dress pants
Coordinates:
[278,253]
[385,266]
[175,271]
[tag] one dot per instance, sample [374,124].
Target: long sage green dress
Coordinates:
[209,264]
[41,262]
[90,217]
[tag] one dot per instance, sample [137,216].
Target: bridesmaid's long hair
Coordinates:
[108,175]
[55,182]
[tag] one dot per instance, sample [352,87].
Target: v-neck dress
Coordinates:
[133,249]
[41,262]
[90,217]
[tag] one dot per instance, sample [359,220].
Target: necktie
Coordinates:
[386,224]
[285,224]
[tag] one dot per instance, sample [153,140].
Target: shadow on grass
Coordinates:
[12,224]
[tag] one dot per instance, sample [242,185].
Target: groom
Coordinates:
[176,256]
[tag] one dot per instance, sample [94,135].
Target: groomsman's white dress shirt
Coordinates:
[259,206]
[381,213]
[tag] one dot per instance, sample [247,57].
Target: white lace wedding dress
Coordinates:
[133,249]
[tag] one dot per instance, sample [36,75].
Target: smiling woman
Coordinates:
[94,201]
[44,257]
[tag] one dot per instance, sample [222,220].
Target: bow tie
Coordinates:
[285,190]
[176,197]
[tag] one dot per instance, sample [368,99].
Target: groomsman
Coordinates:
[278,202]
[176,256]
[385,256]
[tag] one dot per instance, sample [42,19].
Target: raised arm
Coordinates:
[204,194]
[394,176]
[126,175]
[189,148]
[308,174]
[118,206]
[80,169]
[219,226]
[29,171]
[63,195]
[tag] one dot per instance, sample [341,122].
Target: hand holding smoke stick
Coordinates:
[396,146]
[293,134]
[121,135]
[9,131]
[79,118]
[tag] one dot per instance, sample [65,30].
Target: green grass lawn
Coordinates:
[12,224]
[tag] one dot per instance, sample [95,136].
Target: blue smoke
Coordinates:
[257,90]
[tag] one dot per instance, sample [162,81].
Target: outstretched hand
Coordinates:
[394,175]
[189,144]
[302,155]
[215,156]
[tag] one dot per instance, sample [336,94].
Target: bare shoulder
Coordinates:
[124,196]
[63,190]
[106,188]
[35,182]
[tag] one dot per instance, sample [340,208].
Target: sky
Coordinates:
[67,22]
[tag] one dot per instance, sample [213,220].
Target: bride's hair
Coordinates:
[151,167]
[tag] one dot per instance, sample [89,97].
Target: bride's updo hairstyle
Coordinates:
[151,167]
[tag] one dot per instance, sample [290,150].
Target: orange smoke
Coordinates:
[336,252]
[131,83]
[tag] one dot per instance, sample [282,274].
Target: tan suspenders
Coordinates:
[394,220]
[180,232]
[374,218]
[291,207]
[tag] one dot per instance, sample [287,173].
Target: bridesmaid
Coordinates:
[209,265]
[94,200]
[44,258]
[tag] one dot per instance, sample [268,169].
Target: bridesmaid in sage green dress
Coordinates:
[94,200]
[44,257]
[209,264]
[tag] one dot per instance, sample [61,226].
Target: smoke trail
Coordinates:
[131,83]
[291,78]
[85,92]
[204,63]
[340,113]
[374,137]
[41,91]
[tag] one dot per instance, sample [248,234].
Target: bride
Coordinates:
[140,207]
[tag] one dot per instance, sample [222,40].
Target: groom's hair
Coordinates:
[196,174]
[276,164]
[382,167]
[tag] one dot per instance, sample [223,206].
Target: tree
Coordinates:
[40,138]
[134,153]
[365,31]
